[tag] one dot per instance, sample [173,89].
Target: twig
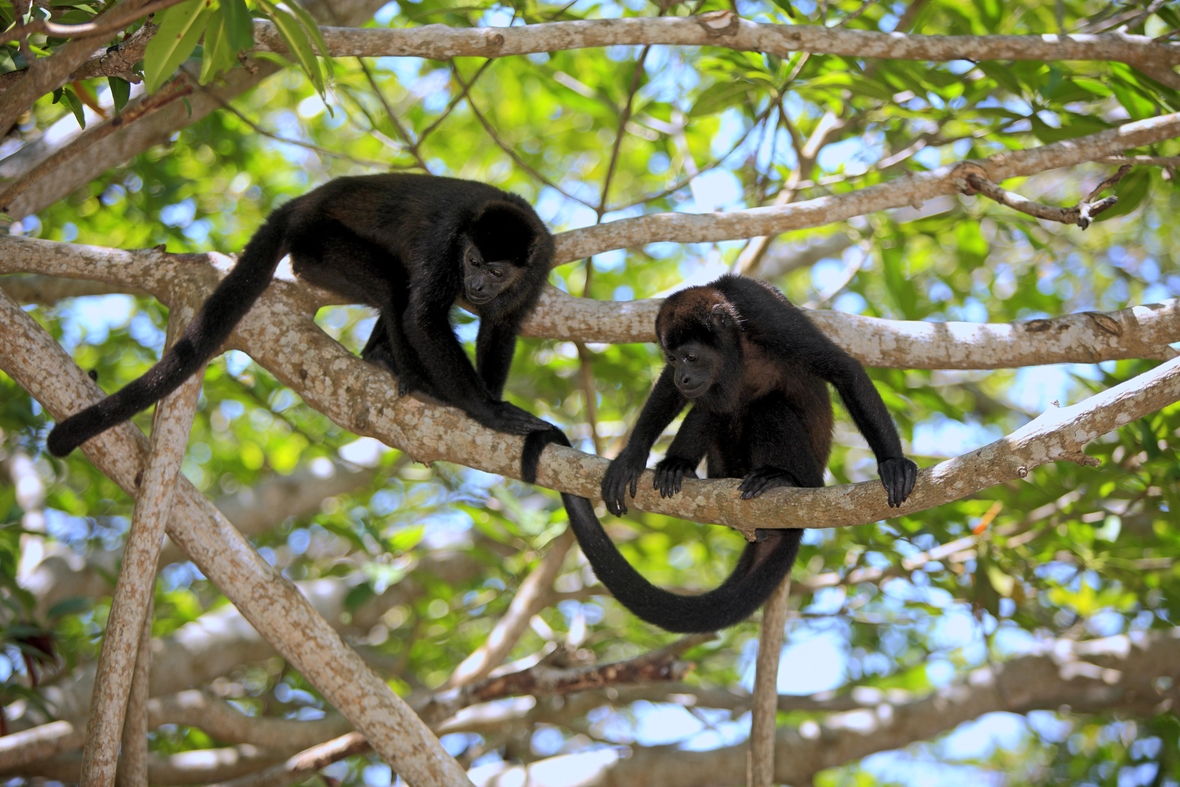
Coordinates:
[760,760]
[305,763]
[174,90]
[402,131]
[286,140]
[547,680]
[137,578]
[532,595]
[87,29]
[1081,214]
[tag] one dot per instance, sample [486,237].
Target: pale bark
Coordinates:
[760,755]
[909,189]
[363,399]
[724,29]
[1085,337]
[273,606]
[303,764]
[133,752]
[137,577]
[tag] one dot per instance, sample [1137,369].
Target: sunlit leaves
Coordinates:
[181,26]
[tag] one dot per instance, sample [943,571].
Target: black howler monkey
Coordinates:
[754,368]
[408,245]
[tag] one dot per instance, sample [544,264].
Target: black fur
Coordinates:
[765,417]
[408,245]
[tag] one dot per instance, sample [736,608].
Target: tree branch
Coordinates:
[49,73]
[1087,677]
[724,29]
[137,578]
[271,604]
[363,399]
[530,598]
[909,189]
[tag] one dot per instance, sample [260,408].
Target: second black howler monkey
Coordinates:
[408,245]
[754,368]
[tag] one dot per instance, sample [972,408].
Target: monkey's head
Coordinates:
[506,257]
[700,333]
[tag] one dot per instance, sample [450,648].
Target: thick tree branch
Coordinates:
[272,605]
[724,29]
[363,399]
[1084,337]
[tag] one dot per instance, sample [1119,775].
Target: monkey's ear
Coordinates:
[722,317]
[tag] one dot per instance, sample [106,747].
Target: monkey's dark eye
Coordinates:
[690,358]
[496,272]
[671,358]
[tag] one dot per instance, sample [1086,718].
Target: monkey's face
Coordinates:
[695,367]
[484,280]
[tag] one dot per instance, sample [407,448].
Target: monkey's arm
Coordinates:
[685,454]
[663,405]
[494,347]
[451,374]
[864,404]
[787,332]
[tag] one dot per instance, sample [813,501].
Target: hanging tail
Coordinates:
[200,341]
[762,567]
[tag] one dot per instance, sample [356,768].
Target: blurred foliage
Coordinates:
[1071,551]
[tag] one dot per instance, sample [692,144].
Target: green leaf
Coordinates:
[309,24]
[297,41]
[218,54]
[75,105]
[181,27]
[718,97]
[785,5]
[120,92]
[69,606]
[1131,192]
[238,25]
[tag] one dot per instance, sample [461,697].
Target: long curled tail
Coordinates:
[201,339]
[762,567]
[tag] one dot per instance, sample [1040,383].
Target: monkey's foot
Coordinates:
[670,473]
[758,481]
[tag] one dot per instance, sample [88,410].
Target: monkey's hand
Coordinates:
[670,472]
[766,477]
[408,382]
[898,477]
[623,472]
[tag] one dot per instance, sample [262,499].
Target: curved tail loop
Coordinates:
[203,337]
[762,567]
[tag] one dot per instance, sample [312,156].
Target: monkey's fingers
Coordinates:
[758,481]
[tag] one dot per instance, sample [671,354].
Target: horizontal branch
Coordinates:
[1085,337]
[1087,677]
[724,29]
[363,399]
[909,189]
